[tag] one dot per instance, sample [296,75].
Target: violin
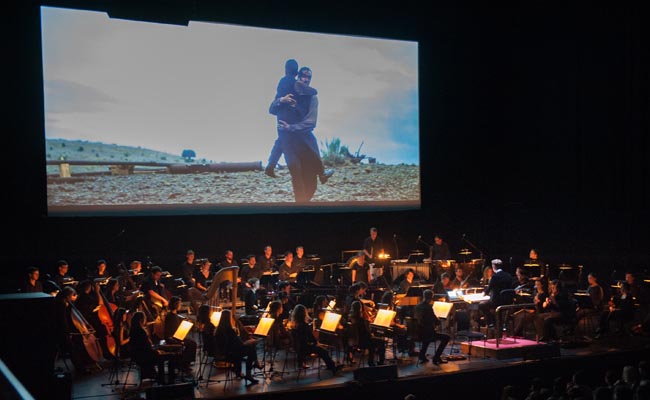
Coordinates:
[90,342]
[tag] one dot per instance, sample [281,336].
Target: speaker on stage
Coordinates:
[180,391]
[376,374]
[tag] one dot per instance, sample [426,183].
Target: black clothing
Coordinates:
[440,252]
[299,263]
[247,273]
[172,322]
[305,344]
[187,273]
[500,281]
[250,300]
[228,343]
[142,352]
[60,279]
[362,271]
[201,279]
[426,320]
[266,264]
[404,286]
[226,264]
[151,284]
[285,271]
[28,288]
[373,247]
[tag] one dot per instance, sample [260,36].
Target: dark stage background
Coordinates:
[534,133]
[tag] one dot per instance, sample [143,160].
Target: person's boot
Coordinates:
[325,176]
[269,170]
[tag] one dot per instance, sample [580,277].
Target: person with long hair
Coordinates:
[359,336]
[304,341]
[278,336]
[121,332]
[141,347]
[229,343]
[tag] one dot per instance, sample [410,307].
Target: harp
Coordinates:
[223,275]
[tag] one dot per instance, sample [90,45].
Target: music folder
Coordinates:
[183,329]
[263,327]
[442,309]
[384,318]
[330,322]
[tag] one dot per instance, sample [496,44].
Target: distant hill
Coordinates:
[83,150]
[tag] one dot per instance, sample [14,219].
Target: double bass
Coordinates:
[90,343]
[105,313]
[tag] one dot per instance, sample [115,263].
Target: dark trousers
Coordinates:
[320,352]
[276,152]
[304,164]
[434,337]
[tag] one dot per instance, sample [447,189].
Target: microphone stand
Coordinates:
[432,271]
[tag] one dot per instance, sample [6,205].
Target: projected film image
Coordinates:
[207,118]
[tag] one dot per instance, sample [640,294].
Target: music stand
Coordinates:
[263,327]
[442,309]
[330,322]
[215,317]
[384,318]
[182,330]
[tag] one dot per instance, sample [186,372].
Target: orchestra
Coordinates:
[128,316]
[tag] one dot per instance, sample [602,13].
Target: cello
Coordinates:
[105,314]
[90,342]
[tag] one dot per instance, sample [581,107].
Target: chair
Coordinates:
[463,331]
[413,335]
[295,351]
[210,355]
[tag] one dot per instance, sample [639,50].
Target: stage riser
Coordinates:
[536,351]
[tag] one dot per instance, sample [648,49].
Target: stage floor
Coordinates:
[94,386]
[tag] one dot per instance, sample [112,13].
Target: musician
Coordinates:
[68,338]
[154,290]
[501,280]
[400,333]
[228,260]
[61,276]
[288,271]
[559,309]
[372,246]
[635,289]
[121,333]
[267,262]
[359,337]
[304,341]
[533,260]
[32,284]
[443,285]
[252,270]
[595,292]
[113,292]
[132,279]
[88,304]
[522,281]
[250,298]
[461,281]
[360,269]
[525,316]
[229,343]
[407,282]
[204,275]
[288,303]
[620,310]
[299,261]
[357,291]
[440,249]
[141,347]
[187,269]
[100,271]
[278,335]
[172,322]
[487,275]
[426,321]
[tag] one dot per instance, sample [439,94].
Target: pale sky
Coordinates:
[208,87]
